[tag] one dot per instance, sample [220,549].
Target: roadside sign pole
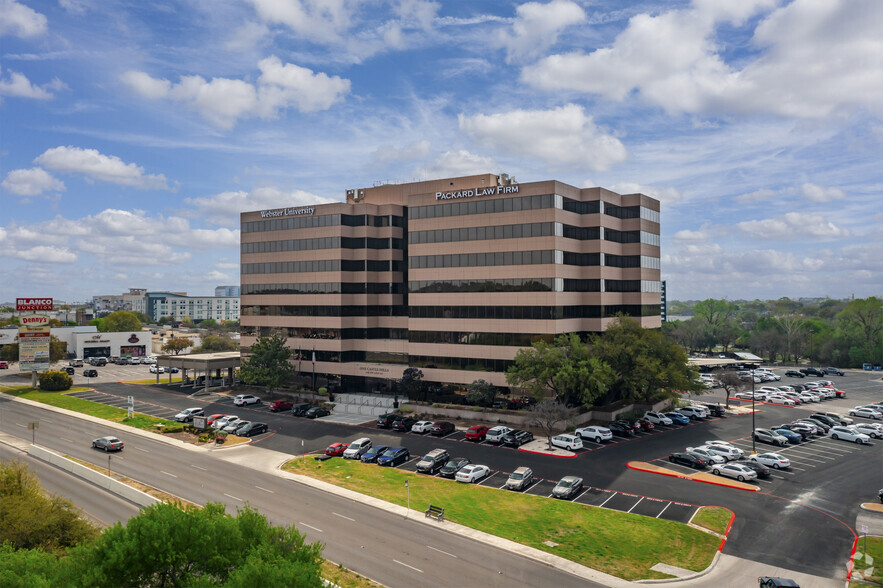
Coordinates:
[108,465]
[409,498]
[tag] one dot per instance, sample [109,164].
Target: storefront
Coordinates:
[131,344]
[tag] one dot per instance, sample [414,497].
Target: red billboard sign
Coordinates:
[33,304]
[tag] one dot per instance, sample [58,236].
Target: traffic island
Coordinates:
[705,477]
[541,447]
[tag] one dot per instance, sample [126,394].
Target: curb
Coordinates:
[572,455]
[637,465]
[872,507]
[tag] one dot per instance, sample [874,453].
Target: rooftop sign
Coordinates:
[477,192]
[33,304]
[276,212]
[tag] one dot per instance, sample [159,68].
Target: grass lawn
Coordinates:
[713,518]
[617,543]
[96,409]
[874,548]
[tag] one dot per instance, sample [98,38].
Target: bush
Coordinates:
[55,381]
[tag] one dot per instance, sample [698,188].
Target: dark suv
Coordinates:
[385,421]
[811,371]
[517,438]
[301,409]
[90,373]
[832,371]
[403,424]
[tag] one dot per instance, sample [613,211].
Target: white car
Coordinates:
[694,412]
[825,392]
[848,434]
[707,455]
[243,399]
[472,473]
[807,397]
[657,418]
[872,430]
[769,390]
[769,436]
[154,369]
[865,412]
[495,434]
[780,399]
[745,395]
[734,470]
[716,442]
[772,460]
[596,434]
[187,414]
[728,453]
[150,360]
[224,421]
[568,442]
[421,426]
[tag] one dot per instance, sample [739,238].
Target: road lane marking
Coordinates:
[265,490]
[233,497]
[343,516]
[311,527]
[440,551]
[634,505]
[407,566]
[139,449]
[22,426]
[199,468]
[168,474]
[65,439]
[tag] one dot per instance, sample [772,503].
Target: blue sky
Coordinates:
[133,133]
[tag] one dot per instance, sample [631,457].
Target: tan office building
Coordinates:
[452,276]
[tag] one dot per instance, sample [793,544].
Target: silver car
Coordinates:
[108,444]
[768,436]
[520,479]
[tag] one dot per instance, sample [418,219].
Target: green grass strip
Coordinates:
[617,543]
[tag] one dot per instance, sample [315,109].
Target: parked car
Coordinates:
[67,369]
[245,399]
[316,412]
[249,429]
[90,373]
[734,470]
[212,419]
[618,428]
[677,418]
[336,449]
[394,456]
[689,460]
[866,412]
[704,453]
[186,415]
[791,436]
[233,426]
[774,582]
[280,405]
[811,371]
[432,461]
[108,444]
[157,369]
[568,442]
[4,365]
[477,432]
[496,434]
[800,430]
[372,454]
[773,460]
[385,421]
[825,427]
[517,438]
[421,426]
[472,473]
[567,487]
[75,363]
[452,466]
[595,433]
[694,412]
[780,399]
[768,436]
[849,434]
[795,374]
[715,410]
[357,448]
[644,424]
[838,419]
[520,479]
[301,409]
[442,428]
[872,430]
[404,424]
[224,421]
[730,451]
[833,371]
[761,470]
[657,418]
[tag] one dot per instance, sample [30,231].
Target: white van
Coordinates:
[357,448]
[694,412]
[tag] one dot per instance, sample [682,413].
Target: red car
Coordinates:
[212,418]
[336,449]
[645,424]
[280,405]
[476,433]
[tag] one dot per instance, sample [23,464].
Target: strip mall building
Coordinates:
[451,276]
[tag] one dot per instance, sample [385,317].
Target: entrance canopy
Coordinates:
[205,363]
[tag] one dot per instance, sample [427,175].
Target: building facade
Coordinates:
[228,291]
[197,308]
[451,276]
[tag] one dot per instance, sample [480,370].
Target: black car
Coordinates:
[832,371]
[441,428]
[691,461]
[300,410]
[795,374]
[69,369]
[769,582]
[715,410]
[394,456]
[761,470]
[634,425]
[403,425]
[801,430]
[621,429]
[819,423]
[316,412]
[372,454]
[517,438]
[249,429]
[385,421]
[452,466]
[90,373]
[811,371]
[830,421]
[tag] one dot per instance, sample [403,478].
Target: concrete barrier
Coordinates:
[132,494]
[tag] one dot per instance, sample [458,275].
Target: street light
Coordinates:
[810,348]
[753,436]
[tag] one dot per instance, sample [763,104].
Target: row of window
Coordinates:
[454,338]
[497,285]
[532,312]
[323,265]
[324,220]
[547,256]
[341,334]
[324,288]
[529,230]
[349,310]
[322,243]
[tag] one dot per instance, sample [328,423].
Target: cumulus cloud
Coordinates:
[811,59]
[223,101]
[536,27]
[45,254]
[664,195]
[94,165]
[386,154]
[819,194]
[761,195]
[31,182]
[316,20]
[19,20]
[18,86]
[791,226]
[224,208]
[456,163]
[565,135]
[700,236]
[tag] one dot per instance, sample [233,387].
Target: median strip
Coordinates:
[643,466]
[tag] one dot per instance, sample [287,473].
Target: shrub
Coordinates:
[55,381]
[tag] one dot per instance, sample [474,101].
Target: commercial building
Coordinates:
[451,276]
[228,291]
[197,308]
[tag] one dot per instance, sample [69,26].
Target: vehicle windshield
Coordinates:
[516,476]
[565,483]
[389,452]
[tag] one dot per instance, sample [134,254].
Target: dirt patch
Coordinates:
[184,436]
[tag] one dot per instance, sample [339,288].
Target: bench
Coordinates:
[435,512]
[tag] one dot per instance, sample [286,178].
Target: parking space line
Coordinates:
[635,504]
[608,500]
[663,510]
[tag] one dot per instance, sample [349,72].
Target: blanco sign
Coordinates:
[476,192]
[286,212]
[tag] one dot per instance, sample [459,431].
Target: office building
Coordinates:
[451,276]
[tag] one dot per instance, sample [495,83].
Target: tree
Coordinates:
[55,381]
[792,327]
[146,320]
[167,320]
[481,393]
[547,413]
[210,324]
[267,365]
[120,321]
[411,384]
[9,352]
[730,382]
[863,320]
[213,343]
[176,345]
[717,317]
[187,322]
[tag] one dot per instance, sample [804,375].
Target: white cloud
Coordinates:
[224,208]
[701,236]
[19,20]
[107,168]
[417,13]
[31,182]
[761,195]
[666,196]
[386,154]
[792,226]
[820,194]
[536,27]
[46,254]
[566,136]
[19,86]
[223,101]
[75,6]
[454,164]
[315,20]
[813,58]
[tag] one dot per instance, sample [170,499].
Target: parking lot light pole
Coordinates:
[753,436]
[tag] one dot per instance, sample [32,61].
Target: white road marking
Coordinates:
[440,551]
[608,500]
[233,497]
[65,439]
[168,474]
[22,426]
[635,504]
[139,449]
[311,527]
[663,510]
[265,490]
[343,516]
[199,468]
[407,566]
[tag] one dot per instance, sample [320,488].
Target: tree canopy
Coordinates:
[213,343]
[481,393]
[267,363]
[176,345]
[119,321]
